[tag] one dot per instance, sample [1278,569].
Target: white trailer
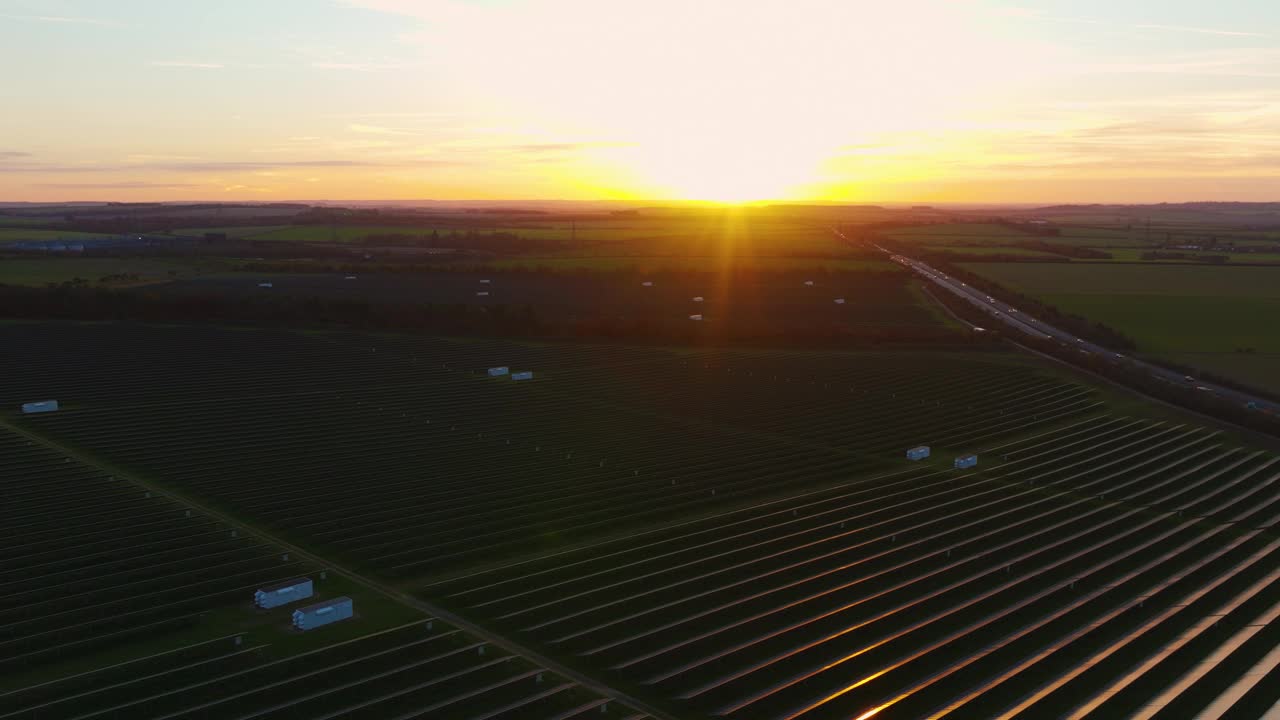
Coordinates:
[918,453]
[323,613]
[284,593]
[43,406]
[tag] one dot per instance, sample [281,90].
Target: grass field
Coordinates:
[678,235]
[1178,312]
[958,231]
[985,235]
[231,232]
[11,235]
[6,220]
[37,272]
[708,264]
[995,250]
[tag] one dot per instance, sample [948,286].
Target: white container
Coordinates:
[43,406]
[284,593]
[324,613]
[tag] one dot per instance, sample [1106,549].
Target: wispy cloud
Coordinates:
[1254,62]
[117,186]
[65,20]
[211,166]
[1204,31]
[377,130]
[1034,14]
[362,66]
[187,64]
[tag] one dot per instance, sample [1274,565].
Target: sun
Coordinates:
[726,168]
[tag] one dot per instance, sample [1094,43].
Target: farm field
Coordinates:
[1179,312]
[37,272]
[660,265]
[973,237]
[743,234]
[235,231]
[1033,587]
[888,299]
[12,234]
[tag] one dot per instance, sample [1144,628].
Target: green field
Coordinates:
[9,235]
[996,250]
[992,238]
[1184,313]
[642,236]
[21,220]
[668,264]
[37,272]
[958,230]
[231,232]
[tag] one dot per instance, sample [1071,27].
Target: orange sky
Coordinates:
[914,100]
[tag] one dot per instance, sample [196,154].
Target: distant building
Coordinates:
[966,461]
[918,453]
[497,371]
[526,375]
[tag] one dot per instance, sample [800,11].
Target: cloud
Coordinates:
[1204,31]
[212,166]
[377,130]
[362,66]
[187,64]
[13,154]
[1034,14]
[65,20]
[117,186]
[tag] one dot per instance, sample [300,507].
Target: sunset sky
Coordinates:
[841,100]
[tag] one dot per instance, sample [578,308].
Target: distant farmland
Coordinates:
[39,271]
[1196,315]
[642,236]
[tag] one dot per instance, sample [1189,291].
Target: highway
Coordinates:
[1009,316]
